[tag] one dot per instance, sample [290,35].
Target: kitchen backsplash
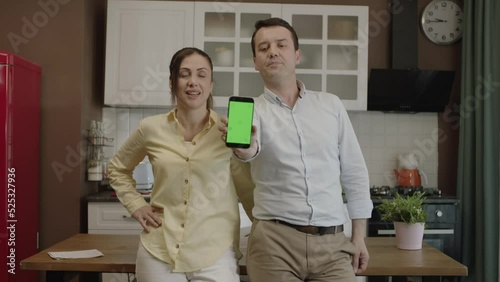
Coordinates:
[382,138]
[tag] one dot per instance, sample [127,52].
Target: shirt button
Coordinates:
[177,246]
[186,181]
[194,143]
[187,159]
[182,225]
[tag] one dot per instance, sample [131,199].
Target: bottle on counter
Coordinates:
[94,154]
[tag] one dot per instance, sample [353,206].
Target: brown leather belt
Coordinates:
[315,230]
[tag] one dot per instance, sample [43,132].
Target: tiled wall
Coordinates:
[382,137]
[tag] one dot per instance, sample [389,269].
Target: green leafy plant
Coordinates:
[408,209]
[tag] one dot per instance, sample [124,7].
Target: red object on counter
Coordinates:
[408,178]
[20,147]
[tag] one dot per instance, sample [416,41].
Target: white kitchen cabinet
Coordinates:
[112,218]
[334,44]
[224,30]
[333,40]
[141,38]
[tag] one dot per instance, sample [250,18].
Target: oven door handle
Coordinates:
[426,231]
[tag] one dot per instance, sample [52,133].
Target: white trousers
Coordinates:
[150,269]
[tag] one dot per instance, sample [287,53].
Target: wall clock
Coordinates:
[442,22]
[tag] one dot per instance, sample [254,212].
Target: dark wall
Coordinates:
[63,38]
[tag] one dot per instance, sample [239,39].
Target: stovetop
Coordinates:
[381,191]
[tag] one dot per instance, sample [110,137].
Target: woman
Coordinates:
[191,225]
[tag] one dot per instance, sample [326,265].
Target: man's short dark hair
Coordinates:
[275,22]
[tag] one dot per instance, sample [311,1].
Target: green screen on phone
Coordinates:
[239,128]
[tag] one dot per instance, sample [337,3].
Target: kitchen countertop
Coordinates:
[107,195]
[103,196]
[429,200]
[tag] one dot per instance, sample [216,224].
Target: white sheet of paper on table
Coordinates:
[76,254]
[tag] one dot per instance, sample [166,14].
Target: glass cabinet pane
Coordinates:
[220,24]
[223,84]
[251,85]
[311,81]
[344,86]
[246,55]
[222,53]
[248,23]
[311,57]
[342,57]
[308,26]
[342,27]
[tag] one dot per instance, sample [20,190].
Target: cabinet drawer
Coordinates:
[110,216]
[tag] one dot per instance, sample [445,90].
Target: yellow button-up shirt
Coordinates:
[193,185]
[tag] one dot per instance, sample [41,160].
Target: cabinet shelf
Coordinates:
[101,141]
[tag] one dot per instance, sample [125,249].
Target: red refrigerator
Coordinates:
[20,147]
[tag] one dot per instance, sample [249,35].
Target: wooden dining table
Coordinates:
[120,253]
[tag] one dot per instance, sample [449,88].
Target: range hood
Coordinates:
[393,90]
[405,88]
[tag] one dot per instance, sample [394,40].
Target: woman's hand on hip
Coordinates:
[146,215]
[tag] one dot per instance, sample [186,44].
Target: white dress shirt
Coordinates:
[307,155]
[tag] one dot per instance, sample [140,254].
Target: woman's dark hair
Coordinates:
[275,22]
[175,65]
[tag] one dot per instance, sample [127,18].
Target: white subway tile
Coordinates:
[378,141]
[122,126]
[391,125]
[148,112]
[364,140]
[135,117]
[109,130]
[382,138]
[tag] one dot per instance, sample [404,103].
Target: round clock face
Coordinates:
[442,22]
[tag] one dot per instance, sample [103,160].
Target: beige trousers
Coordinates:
[279,253]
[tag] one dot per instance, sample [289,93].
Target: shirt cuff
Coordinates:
[360,209]
[247,160]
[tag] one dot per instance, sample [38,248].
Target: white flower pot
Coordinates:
[409,236]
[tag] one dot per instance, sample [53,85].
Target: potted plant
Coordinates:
[409,217]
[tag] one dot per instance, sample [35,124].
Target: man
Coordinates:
[303,149]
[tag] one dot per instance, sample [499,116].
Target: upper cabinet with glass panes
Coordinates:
[334,45]
[333,41]
[224,31]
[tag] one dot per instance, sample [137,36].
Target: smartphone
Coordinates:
[239,122]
